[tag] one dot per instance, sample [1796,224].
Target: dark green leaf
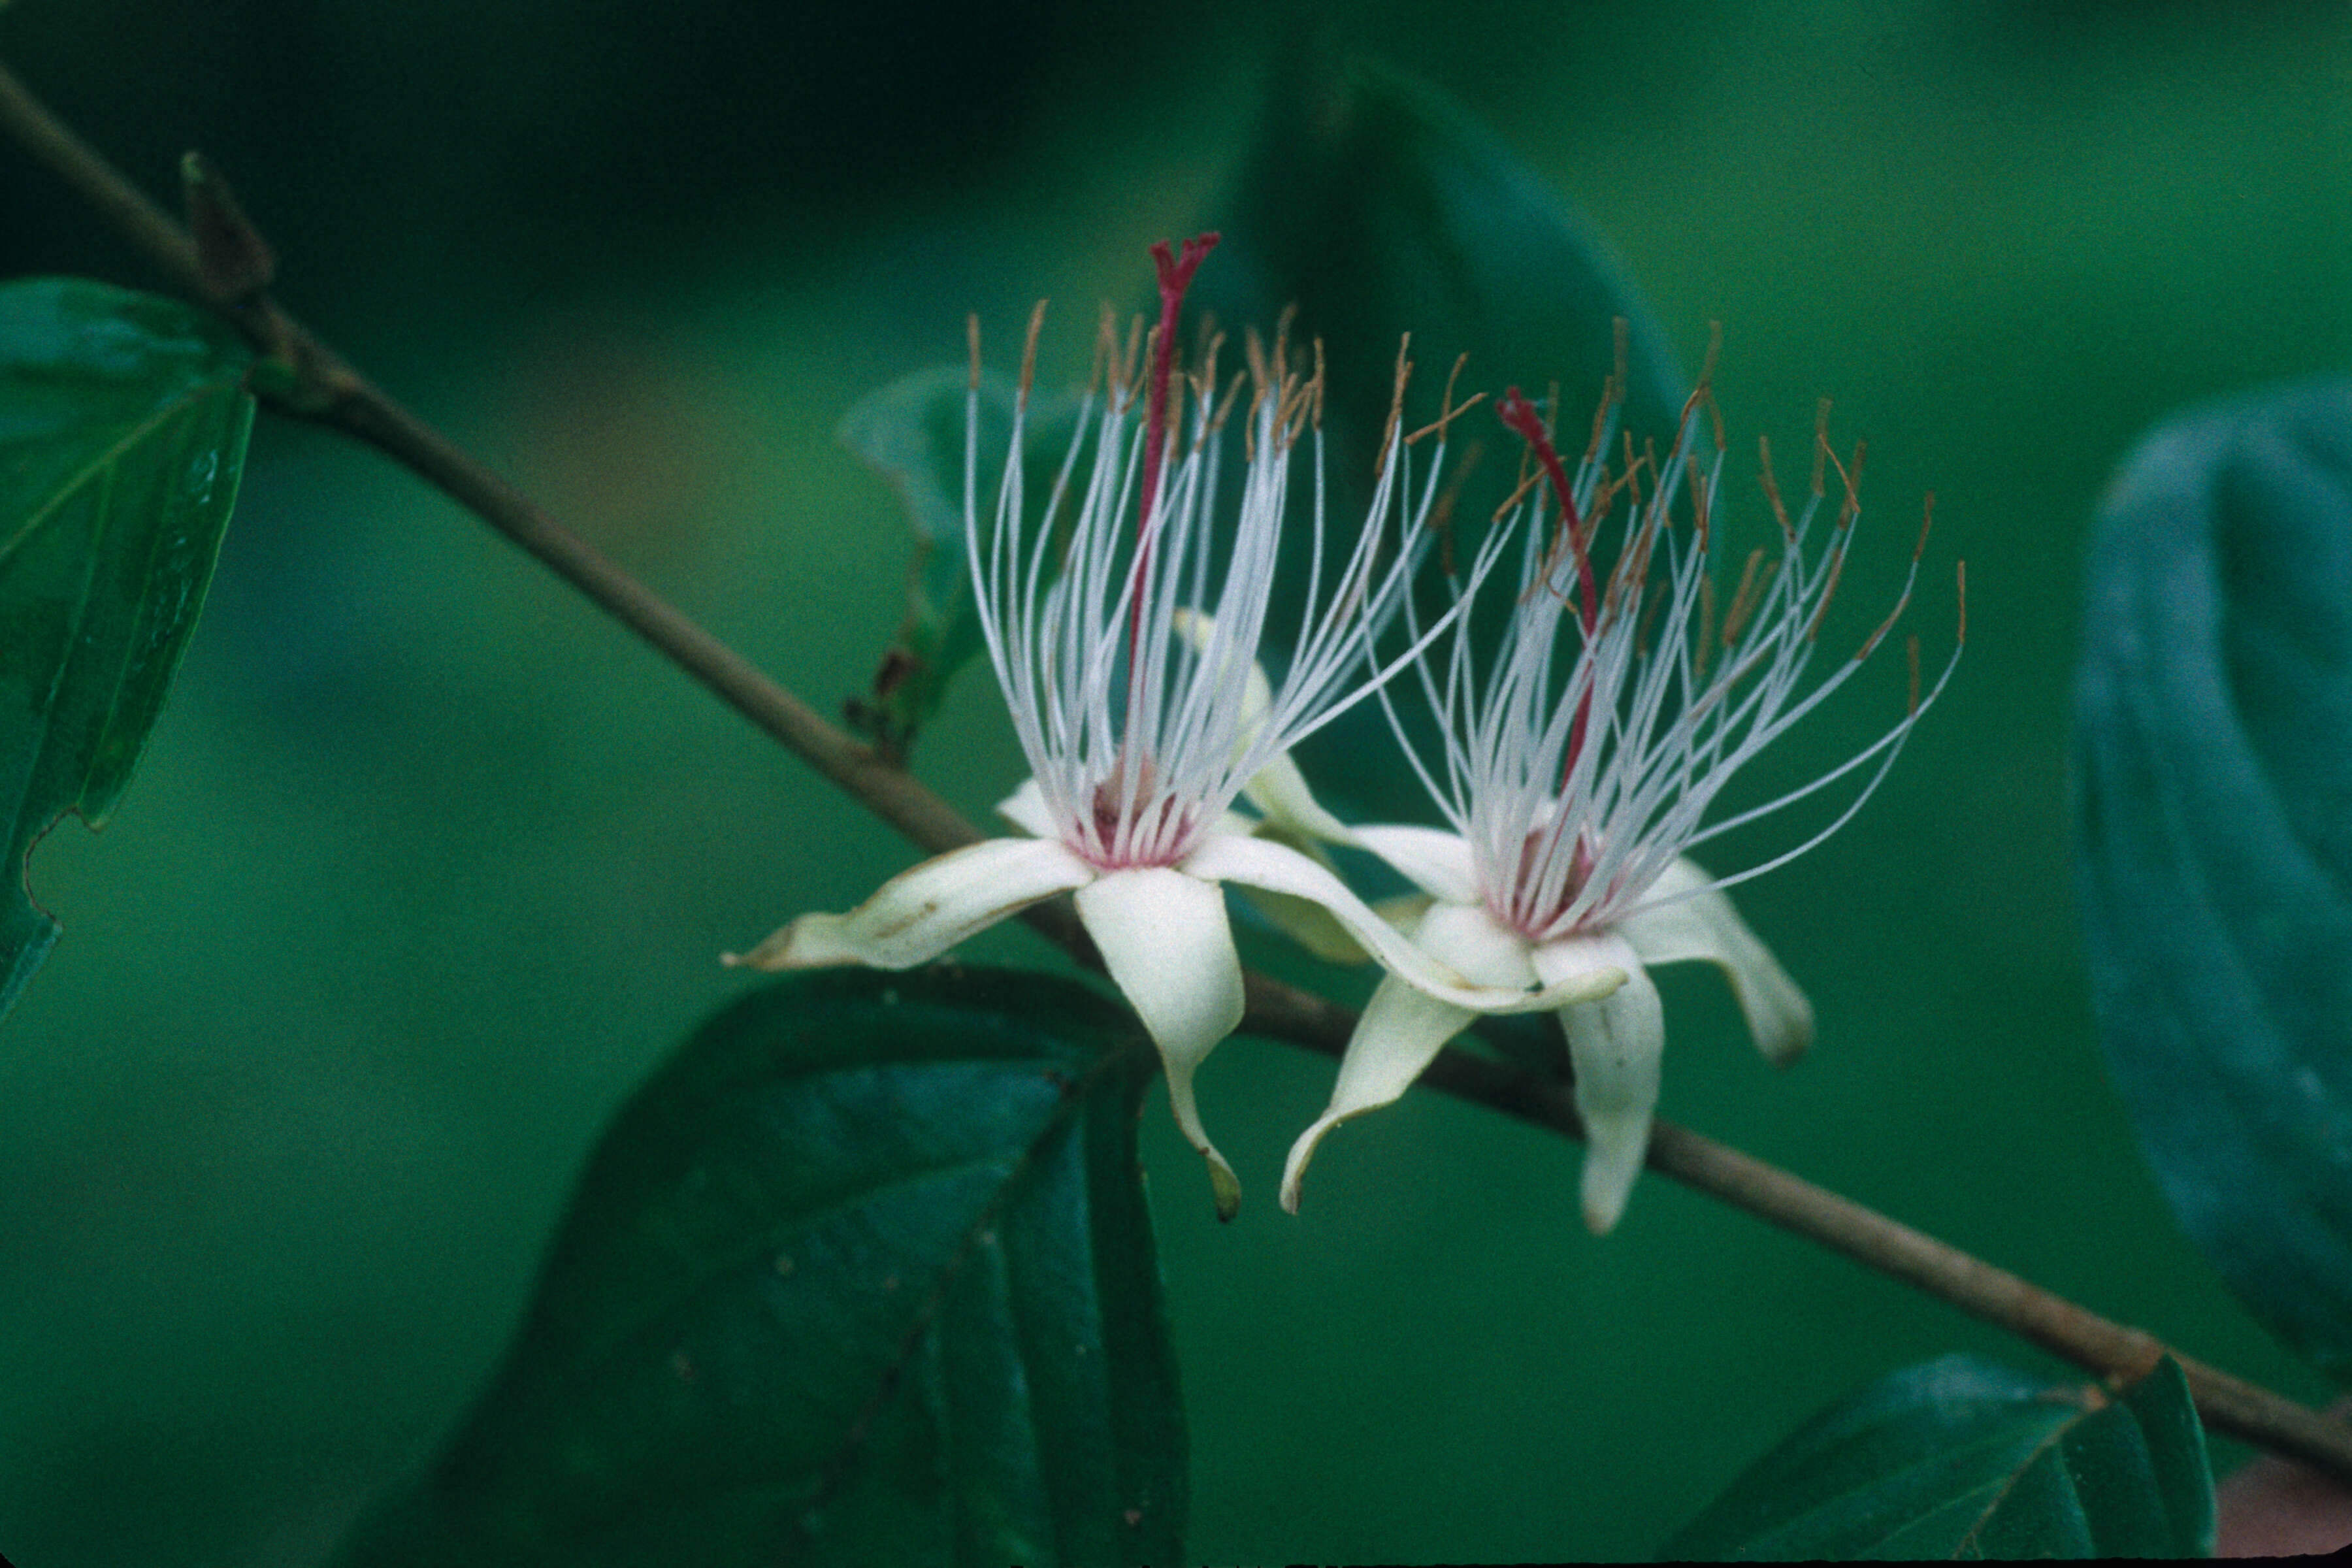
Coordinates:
[122,430]
[862,1275]
[2214,839]
[1963,1458]
[912,433]
[1377,208]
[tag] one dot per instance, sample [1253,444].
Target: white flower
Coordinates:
[1127,652]
[1574,785]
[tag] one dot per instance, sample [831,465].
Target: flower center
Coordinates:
[1129,831]
[1548,879]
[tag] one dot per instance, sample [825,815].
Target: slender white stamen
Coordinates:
[1579,775]
[1137,736]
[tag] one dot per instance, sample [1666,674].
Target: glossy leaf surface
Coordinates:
[1964,1459]
[122,432]
[861,1276]
[2214,837]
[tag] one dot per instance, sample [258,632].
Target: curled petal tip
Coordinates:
[1695,919]
[1613,1161]
[1602,1214]
[1294,1169]
[1615,1147]
[1225,1187]
[776,953]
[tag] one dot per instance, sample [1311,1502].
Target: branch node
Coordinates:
[234,261]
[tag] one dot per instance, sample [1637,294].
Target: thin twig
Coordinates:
[318,385]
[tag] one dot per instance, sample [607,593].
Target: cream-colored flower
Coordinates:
[1575,779]
[1127,656]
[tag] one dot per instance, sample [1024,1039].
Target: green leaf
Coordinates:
[2213,819]
[122,427]
[1963,1459]
[862,1275]
[1379,209]
[912,433]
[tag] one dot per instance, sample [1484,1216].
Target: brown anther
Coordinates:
[1282,325]
[1204,392]
[1850,476]
[1612,391]
[1820,445]
[1396,402]
[1225,405]
[1642,632]
[1744,599]
[1529,478]
[1703,395]
[1029,351]
[1911,653]
[1870,644]
[1926,522]
[1127,360]
[1254,346]
[1106,361]
[1204,380]
[1437,428]
[1644,545]
[1829,591]
[1447,410]
[971,337]
[1773,491]
[1290,412]
[1440,515]
[1319,384]
[1177,385]
[1961,570]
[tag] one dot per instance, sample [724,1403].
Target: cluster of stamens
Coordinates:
[1580,768]
[1125,626]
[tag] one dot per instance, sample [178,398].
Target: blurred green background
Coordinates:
[427,862]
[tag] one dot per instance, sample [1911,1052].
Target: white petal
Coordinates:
[918,914]
[1469,939]
[1403,1029]
[1164,938]
[1438,862]
[1405,911]
[1704,925]
[1614,1044]
[1025,809]
[1256,863]
[1400,1033]
[1303,921]
[1279,789]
